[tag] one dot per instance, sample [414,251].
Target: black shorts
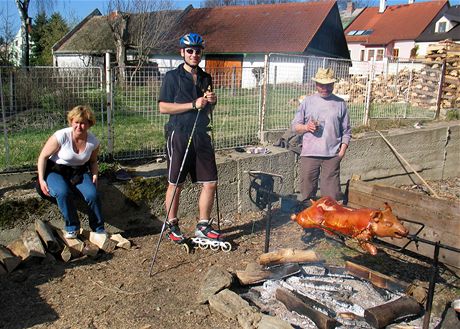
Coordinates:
[200,162]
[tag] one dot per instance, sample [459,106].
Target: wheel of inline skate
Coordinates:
[214,246]
[186,248]
[226,247]
[203,245]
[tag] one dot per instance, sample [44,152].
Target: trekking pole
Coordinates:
[217,193]
[174,192]
[214,149]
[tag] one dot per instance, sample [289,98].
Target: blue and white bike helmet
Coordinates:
[191,40]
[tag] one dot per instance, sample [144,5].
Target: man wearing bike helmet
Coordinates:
[186,95]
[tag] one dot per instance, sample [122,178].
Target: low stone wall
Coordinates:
[433,150]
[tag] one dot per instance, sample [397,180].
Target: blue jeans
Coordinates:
[65,192]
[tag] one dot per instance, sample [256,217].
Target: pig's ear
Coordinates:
[387,206]
[376,215]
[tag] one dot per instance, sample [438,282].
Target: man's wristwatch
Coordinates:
[194,104]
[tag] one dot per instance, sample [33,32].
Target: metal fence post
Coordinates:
[109,93]
[5,128]
[368,96]
[439,96]
[263,112]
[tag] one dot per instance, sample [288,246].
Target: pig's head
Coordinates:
[384,224]
[309,217]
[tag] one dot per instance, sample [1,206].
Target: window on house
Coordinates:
[361,58]
[352,32]
[379,55]
[370,54]
[442,26]
[395,52]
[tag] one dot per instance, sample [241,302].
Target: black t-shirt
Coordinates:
[178,87]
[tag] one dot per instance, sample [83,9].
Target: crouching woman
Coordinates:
[67,166]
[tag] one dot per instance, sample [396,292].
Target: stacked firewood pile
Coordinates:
[47,241]
[418,87]
[449,52]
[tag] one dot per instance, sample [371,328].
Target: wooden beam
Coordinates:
[438,217]
[378,279]
[383,315]
[293,303]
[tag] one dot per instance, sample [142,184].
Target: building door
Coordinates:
[226,70]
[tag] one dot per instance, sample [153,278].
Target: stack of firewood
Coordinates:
[47,241]
[418,87]
[449,52]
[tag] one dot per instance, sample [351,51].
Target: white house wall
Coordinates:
[70,60]
[355,51]
[404,47]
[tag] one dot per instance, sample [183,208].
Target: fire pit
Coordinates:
[330,297]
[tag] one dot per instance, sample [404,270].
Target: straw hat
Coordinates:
[324,76]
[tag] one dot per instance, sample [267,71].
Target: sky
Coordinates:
[75,10]
[71,10]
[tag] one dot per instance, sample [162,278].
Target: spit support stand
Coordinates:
[263,184]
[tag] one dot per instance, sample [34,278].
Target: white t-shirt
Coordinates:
[66,155]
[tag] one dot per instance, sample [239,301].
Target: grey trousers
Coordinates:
[327,170]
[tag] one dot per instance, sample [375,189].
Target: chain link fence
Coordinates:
[251,100]
[390,89]
[34,103]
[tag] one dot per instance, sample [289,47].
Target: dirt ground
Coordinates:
[115,290]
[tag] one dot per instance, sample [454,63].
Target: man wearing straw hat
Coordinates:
[323,120]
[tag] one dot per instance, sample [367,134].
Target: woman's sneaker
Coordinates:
[174,233]
[204,230]
[70,235]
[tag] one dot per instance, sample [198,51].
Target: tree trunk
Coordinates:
[23,7]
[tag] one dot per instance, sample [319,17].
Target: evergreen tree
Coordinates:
[46,33]
[38,30]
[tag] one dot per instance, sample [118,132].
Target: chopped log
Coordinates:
[293,303]
[121,241]
[65,254]
[378,279]
[257,276]
[316,305]
[288,255]
[75,245]
[90,249]
[18,248]
[383,315]
[101,240]
[33,244]
[46,234]
[9,260]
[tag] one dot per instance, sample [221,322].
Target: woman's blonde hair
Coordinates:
[81,112]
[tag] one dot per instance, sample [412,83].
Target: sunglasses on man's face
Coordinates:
[190,51]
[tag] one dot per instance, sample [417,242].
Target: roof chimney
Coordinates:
[382,6]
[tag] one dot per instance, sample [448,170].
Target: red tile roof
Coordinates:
[287,27]
[398,22]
